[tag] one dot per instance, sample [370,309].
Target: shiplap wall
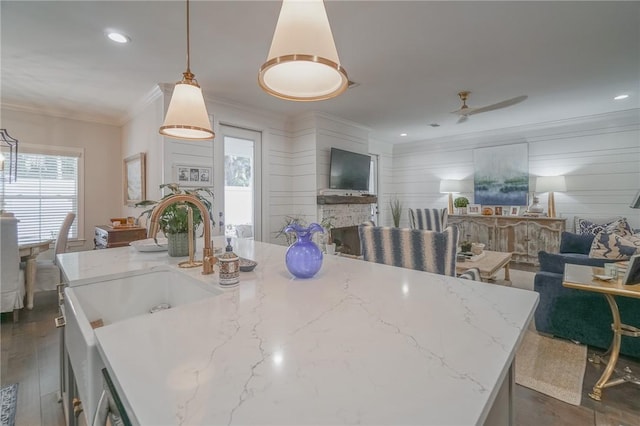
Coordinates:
[277,172]
[599,155]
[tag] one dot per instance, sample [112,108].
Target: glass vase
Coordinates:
[304,257]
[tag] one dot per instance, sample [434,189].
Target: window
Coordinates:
[46,189]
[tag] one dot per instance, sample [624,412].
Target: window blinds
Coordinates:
[45,191]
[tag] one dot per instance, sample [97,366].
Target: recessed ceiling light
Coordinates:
[403,134]
[118,37]
[621,97]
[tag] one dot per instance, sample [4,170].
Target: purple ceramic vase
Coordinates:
[303,258]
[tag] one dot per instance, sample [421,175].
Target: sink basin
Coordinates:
[114,299]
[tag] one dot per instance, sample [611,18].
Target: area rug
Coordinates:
[8,403]
[553,367]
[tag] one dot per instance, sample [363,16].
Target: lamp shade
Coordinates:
[449,185]
[187,116]
[551,184]
[303,63]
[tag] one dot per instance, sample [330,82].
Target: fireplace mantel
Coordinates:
[347,199]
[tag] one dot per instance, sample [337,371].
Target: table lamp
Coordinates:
[450,186]
[551,184]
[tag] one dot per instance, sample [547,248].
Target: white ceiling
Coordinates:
[410,58]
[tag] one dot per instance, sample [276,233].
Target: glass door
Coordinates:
[242,190]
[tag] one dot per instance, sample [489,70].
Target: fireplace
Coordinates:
[346,214]
[347,240]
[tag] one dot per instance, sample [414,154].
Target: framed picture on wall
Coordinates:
[193,175]
[134,179]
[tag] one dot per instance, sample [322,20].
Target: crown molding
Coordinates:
[61,113]
[152,95]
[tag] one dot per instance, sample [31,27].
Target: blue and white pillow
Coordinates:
[610,245]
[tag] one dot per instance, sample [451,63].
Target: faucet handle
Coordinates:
[207,264]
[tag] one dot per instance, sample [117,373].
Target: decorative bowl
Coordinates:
[247,265]
[476,248]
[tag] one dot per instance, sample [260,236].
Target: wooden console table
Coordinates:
[521,236]
[107,236]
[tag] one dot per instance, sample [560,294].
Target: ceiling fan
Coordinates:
[465,111]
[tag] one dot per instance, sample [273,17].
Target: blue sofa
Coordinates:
[574,314]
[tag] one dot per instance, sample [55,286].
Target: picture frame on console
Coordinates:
[632,275]
[497,211]
[474,208]
[514,211]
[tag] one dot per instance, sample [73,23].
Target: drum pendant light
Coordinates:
[187,116]
[303,63]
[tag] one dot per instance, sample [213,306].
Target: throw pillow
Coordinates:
[619,226]
[608,245]
[575,243]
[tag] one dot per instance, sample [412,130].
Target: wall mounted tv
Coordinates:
[349,170]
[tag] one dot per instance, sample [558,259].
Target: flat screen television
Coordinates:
[349,170]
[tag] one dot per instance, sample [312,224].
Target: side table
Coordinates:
[581,277]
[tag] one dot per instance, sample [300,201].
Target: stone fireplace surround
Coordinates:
[348,213]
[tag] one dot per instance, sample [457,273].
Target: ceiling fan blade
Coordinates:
[499,105]
[462,119]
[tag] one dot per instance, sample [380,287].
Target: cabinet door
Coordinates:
[476,229]
[511,236]
[544,235]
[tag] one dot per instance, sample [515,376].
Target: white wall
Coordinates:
[140,134]
[386,188]
[102,161]
[599,155]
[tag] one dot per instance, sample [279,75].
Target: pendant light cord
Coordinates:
[188,47]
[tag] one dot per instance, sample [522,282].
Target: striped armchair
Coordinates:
[428,219]
[428,251]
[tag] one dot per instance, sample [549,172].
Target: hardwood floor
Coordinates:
[30,358]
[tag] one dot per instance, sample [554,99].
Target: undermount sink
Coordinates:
[115,299]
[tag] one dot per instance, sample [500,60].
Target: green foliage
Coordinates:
[461,202]
[396,211]
[290,238]
[327,223]
[174,219]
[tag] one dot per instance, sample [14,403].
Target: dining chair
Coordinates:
[11,276]
[428,219]
[419,249]
[47,271]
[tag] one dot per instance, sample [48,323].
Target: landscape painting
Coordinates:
[501,175]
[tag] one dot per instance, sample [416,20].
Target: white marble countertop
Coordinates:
[359,343]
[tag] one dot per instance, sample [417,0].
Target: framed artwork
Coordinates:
[497,211]
[134,179]
[473,209]
[501,174]
[193,175]
[632,275]
[514,211]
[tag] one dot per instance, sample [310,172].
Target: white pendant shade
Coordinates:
[187,116]
[303,63]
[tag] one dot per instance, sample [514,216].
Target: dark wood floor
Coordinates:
[30,357]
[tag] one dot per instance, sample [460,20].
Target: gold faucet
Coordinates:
[208,260]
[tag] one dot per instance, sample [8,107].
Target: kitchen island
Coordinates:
[358,343]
